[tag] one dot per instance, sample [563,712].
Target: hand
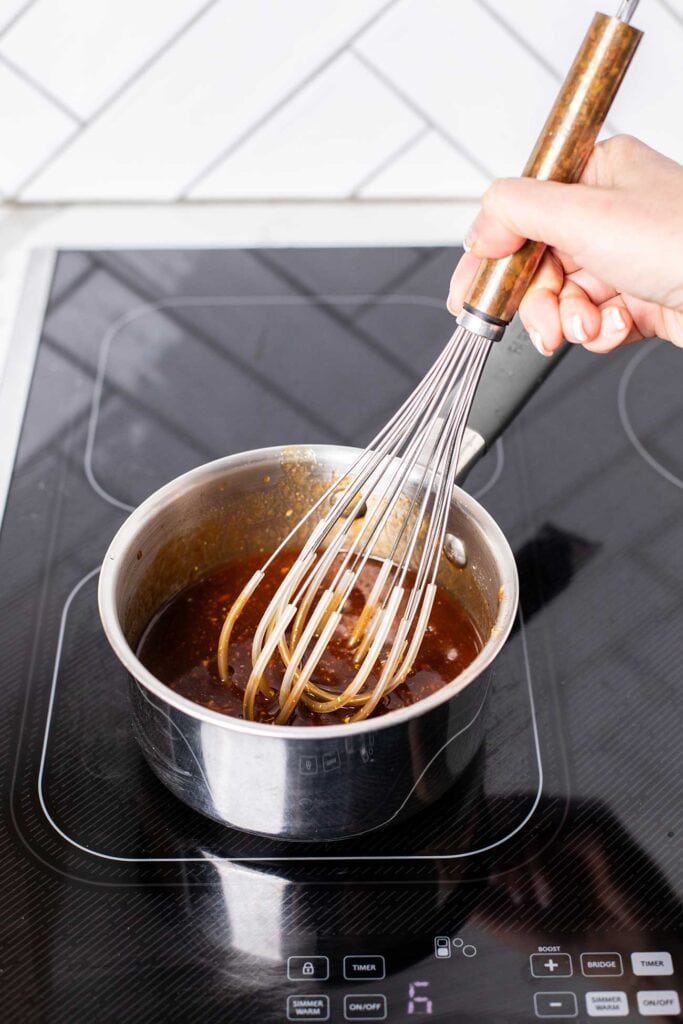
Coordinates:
[613,272]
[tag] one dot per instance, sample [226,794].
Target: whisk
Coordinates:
[396,496]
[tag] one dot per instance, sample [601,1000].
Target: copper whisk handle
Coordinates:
[560,154]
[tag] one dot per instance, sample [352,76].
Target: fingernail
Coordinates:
[537,341]
[614,320]
[470,239]
[578,329]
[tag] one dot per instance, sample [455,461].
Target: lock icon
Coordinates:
[308,968]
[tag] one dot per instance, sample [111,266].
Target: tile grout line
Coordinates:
[425,116]
[17,16]
[19,206]
[395,155]
[42,90]
[676,15]
[528,47]
[228,151]
[111,99]
[519,38]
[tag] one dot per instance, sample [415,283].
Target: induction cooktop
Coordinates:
[547,884]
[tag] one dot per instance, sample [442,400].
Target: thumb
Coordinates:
[562,216]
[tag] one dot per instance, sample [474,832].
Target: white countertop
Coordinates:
[213,225]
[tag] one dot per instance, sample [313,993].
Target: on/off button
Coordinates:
[365,1007]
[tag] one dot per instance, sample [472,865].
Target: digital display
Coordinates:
[419,1002]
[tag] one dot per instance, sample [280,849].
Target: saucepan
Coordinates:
[292,782]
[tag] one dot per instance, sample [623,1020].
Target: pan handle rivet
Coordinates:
[454,550]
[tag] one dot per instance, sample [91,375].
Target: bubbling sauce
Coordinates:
[179,644]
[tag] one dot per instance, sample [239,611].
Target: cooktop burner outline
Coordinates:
[227,301]
[235,301]
[499,449]
[622,402]
[293,859]
[534,757]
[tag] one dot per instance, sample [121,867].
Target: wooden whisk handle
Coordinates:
[560,154]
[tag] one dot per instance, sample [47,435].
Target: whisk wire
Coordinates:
[393,505]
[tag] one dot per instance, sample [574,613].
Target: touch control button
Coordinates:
[545,965]
[365,1007]
[659,1004]
[555,1004]
[308,968]
[308,1008]
[601,965]
[652,963]
[364,968]
[606,1004]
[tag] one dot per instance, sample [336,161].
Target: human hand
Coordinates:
[613,270]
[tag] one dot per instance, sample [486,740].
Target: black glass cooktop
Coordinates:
[548,883]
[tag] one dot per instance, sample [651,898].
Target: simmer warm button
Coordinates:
[308,1008]
[659,1004]
[652,963]
[606,1004]
[601,965]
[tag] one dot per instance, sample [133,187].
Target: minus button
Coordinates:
[556,1005]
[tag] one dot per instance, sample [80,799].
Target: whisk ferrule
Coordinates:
[479,323]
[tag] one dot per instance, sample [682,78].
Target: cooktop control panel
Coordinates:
[618,984]
[558,985]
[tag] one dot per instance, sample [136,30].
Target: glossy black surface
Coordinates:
[119,903]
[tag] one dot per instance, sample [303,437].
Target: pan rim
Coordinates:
[125,539]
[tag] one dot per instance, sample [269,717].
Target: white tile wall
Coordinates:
[429,168]
[82,50]
[460,80]
[225,99]
[227,72]
[321,143]
[30,128]
[9,9]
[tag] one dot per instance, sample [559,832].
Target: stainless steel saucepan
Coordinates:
[308,783]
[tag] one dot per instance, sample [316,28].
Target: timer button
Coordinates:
[652,963]
[364,968]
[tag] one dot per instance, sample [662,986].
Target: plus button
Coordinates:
[557,965]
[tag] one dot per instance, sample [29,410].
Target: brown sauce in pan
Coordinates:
[179,644]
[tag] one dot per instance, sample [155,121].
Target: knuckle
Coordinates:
[623,146]
[493,195]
